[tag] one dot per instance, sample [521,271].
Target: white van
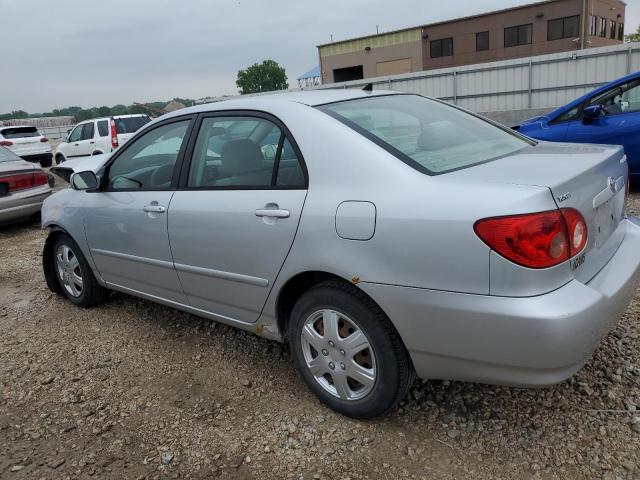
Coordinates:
[99,135]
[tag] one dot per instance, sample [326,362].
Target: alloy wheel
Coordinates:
[68,269]
[338,354]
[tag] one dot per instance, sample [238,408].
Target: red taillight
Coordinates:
[44,139]
[114,134]
[23,181]
[535,240]
[6,143]
[40,178]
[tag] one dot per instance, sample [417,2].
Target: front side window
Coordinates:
[149,162]
[243,152]
[87,131]
[567,27]
[482,41]
[76,134]
[621,99]
[442,48]
[430,136]
[520,35]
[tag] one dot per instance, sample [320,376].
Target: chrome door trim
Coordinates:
[233,277]
[133,258]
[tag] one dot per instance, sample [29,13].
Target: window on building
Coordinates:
[603,28]
[567,27]
[621,32]
[593,25]
[520,35]
[612,31]
[348,73]
[442,48]
[482,41]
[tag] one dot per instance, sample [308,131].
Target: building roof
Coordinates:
[313,73]
[492,12]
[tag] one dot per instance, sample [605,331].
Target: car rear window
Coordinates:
[431,136]
[7,155]
[130,124]
[19,132]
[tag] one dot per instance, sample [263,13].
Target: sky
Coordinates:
[93,53]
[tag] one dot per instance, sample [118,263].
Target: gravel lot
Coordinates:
[136,390]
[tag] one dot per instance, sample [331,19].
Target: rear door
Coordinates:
[235,215]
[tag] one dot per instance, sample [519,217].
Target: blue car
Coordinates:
[609,114]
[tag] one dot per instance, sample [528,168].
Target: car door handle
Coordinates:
[273,213]
[154,209]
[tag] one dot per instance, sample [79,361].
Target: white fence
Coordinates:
[55,133]
[539,82]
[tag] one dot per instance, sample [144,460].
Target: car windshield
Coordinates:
[20,132]
[130,124]
[429,135]
[7,155]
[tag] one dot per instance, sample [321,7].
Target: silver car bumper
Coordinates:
[23,204]
[530,341]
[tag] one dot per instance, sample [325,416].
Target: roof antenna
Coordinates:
[368,87]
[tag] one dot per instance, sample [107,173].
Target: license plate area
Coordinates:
[607,217]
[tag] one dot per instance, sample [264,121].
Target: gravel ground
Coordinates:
[136,390]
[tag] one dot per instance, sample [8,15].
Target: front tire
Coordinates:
[59,159]
[348,352]
[74,275]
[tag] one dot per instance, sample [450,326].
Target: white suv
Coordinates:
[100,135]
[26,142]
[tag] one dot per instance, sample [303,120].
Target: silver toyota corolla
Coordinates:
[382,235]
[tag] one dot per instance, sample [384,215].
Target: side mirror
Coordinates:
[84,181]
[592,112]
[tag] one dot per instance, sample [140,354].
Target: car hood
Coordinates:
[93,163]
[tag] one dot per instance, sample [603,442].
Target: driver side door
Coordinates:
[126,222]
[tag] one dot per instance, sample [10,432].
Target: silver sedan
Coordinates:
[23,187]
[382,235]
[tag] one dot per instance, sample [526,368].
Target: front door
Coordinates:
[619,124]
[232,223]
[126,222]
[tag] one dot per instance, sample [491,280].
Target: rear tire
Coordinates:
[74,275]
[46,163]
[59,159]
[348,352]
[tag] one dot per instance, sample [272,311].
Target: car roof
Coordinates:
[312,98]
[97,119]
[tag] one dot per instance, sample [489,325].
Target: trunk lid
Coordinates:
[589,178]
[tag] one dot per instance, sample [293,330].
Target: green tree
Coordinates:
[264,77]
[633,37]
[104,111]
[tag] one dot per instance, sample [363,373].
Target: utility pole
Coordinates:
[377,30]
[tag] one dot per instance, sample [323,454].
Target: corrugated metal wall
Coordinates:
[544,81]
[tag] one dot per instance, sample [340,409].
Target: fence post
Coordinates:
[455,87]
[629,54]
[530,93]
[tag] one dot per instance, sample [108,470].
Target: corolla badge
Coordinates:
[612,184]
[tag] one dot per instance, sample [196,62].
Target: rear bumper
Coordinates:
[22,204]
[528,341]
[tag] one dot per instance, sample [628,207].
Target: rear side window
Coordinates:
[103,128]
[20,132]
[428,135]
[243,152]
[130,124]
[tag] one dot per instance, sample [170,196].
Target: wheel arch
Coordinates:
[300,283]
